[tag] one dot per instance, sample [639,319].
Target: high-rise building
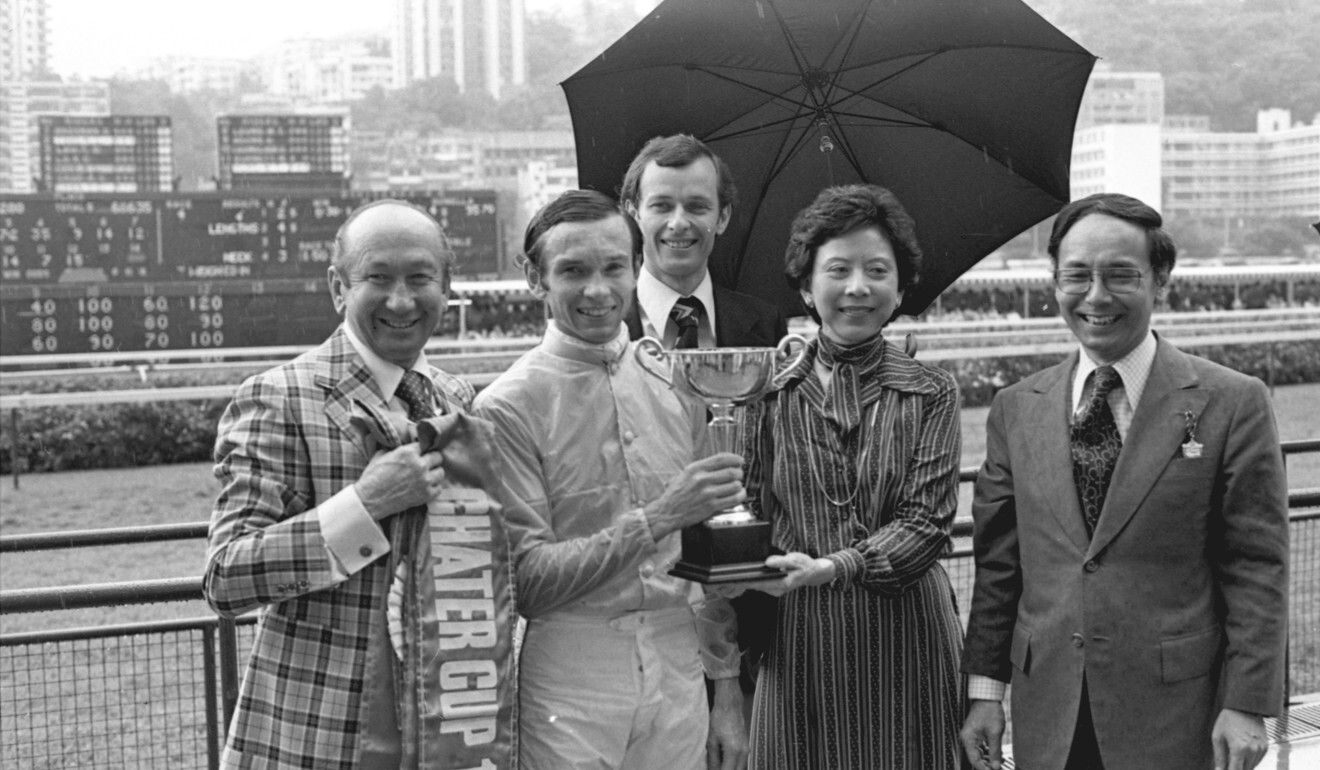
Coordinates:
[189,74]
[1121,98]
[478,43]
[1272,172]
[21,104]
[454,158]
[1186,170]
[328,71]
[24,40]
[1123,157]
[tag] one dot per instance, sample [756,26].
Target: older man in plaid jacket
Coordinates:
[302,526]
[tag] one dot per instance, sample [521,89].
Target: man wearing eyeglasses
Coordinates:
[1131,533]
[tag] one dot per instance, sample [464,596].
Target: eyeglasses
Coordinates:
[1119,280]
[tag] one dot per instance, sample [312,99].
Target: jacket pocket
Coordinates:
[1189,467]
[1019,653]
[1190,656]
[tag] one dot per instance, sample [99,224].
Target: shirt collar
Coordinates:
[655,300]
[1134,368]
[387,375]
[564,345]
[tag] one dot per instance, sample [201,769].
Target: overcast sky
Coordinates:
[96,38]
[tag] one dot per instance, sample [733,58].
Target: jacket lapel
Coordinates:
[1045,424]
[731,323]
[1157,430]
[634,319]
[348,381]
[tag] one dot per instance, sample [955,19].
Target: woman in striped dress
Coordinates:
[854,459]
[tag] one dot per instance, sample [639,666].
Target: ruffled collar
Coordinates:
[865,356]
[881,365]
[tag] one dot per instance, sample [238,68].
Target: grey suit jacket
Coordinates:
[1178,604]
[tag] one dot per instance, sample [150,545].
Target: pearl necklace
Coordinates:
[818,475]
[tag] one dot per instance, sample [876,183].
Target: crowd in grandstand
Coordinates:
[520,315]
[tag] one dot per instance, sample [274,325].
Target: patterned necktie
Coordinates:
[1095,447]
[687,312]
[415,391]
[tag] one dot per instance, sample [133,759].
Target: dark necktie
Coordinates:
[415,391]
[384,726]
[1095,447]
[686,313]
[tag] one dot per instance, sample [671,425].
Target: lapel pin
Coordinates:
[1191,448]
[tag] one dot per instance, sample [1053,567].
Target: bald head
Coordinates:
[390,278]
[389,218]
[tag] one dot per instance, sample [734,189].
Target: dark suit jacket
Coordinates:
[1178,604]
[741,320]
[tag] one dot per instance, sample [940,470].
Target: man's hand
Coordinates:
[726,743]
[399,479]
[697,492]
[983,734]
[1239,740]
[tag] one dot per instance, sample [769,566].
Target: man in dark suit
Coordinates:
[682,195]
[1131,533]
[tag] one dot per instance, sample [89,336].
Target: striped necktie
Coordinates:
[687,312]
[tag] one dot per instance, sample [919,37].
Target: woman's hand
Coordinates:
[799,570]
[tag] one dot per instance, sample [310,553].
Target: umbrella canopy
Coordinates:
[963,108]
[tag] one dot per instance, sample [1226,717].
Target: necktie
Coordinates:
[1095,447]
[687,312]
[408,597]
[415,391]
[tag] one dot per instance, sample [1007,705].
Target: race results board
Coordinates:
[96,273]
[282,151]
[105,153]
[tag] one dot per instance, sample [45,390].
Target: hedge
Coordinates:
[1279,363]
[129,435]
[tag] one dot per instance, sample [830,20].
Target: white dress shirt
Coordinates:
[655,300]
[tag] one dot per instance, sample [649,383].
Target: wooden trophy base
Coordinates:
[726,554]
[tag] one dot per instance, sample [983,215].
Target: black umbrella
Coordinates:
[963,108]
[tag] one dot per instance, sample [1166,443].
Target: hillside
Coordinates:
[1222,58]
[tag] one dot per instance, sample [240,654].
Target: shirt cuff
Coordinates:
[984,688]
[848,563]
[636,518]
[717,637]
[352,537]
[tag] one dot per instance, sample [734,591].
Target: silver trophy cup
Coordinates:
[733,544]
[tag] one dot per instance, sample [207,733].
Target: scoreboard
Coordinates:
[282,151]
[92,273]
[105,153]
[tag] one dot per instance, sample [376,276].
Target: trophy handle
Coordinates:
[781,351]
[651,355]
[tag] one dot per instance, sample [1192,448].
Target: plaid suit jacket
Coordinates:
[285,445]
